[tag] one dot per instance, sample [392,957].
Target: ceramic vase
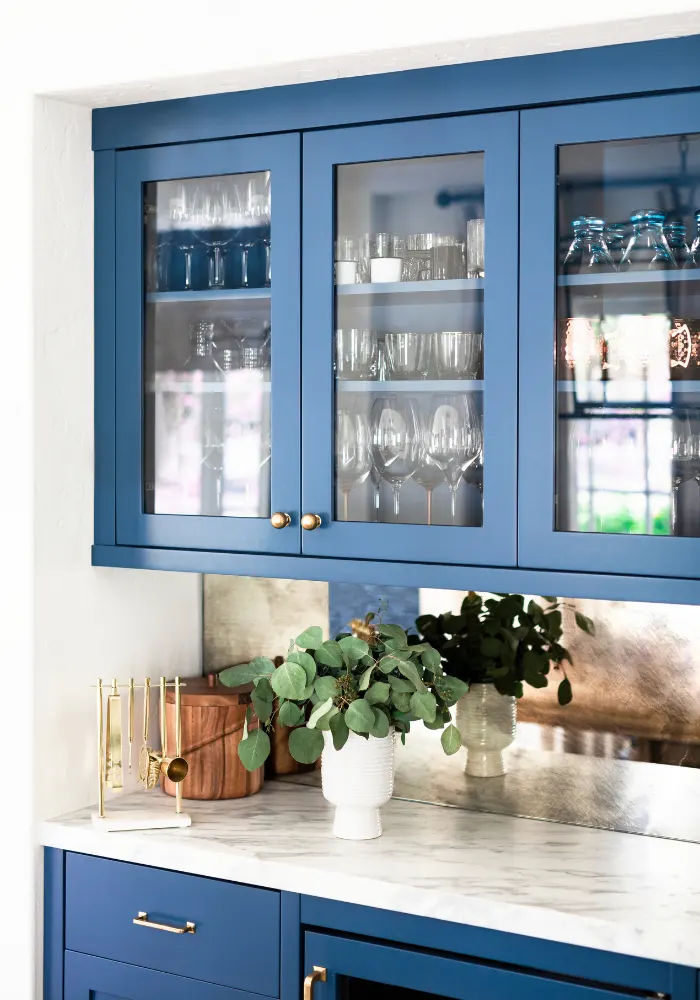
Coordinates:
[358,780]
[486,722]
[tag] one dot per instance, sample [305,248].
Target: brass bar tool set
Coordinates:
[152,763]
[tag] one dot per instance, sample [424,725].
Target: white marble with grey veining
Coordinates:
[615,891]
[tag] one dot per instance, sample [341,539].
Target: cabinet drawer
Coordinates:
[236,935]
[88,978]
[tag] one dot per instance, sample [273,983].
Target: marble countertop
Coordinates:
[614,891]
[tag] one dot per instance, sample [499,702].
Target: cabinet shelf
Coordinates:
[622,278]
[413,288]
[417,385]
[210,295]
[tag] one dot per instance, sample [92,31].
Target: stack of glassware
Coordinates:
[365,355]
[655,243]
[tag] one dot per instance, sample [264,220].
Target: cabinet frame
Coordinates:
[540,546]
[281,155]
[496,136]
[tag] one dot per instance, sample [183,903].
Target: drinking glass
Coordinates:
[458,354]
[396,445]
[614,236]
[386,252]
[686,456]
[356,354]
[695,246]
[475,248]
[453,438]
[588,251]
[648,248]
[447,258]
[353,452]
[254,344]
[678,245]
[407,355]
[346,258]
[418,258]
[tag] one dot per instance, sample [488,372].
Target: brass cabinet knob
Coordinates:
[310,521]
[280,520]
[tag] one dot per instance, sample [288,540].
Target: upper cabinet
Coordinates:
[207,344]
[610,337]
[455,350]
[410,341]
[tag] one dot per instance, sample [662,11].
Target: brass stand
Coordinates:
[152,763]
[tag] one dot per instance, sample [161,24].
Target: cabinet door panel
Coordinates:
[88,978]
[207,345]
[609,460]
[368,969]
[409,345]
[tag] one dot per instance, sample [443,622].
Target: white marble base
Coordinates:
[614,891]
[139,819]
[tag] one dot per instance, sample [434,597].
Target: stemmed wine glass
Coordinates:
[182,216]
[256,214]
[454,438]
[396,445]
[428,473]
[353,452]
[212,211]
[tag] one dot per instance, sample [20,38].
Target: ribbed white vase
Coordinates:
[486,722]
[357,780]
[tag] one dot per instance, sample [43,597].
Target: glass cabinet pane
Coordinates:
[409,274]
[207,253]
[627,339]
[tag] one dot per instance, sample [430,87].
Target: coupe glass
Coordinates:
[458,354]
[648,249]
[353,452]
[588,251]
[396,444]
[453,438]
[407,355]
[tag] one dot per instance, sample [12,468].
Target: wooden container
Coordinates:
[212,728]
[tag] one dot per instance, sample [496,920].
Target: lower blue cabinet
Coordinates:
[88,978]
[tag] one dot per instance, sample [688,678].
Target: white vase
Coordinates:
[486,722]
[357,780]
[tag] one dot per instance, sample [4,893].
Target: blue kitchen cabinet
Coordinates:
[423,390]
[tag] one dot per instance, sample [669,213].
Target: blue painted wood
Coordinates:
[584,74]
[684,982]
[104,415]
[290,946]
[281,155]
[410,289]
[434,974]
[609,281]
[479,942]
[237,939]
[494,543]
[210,295]
[89,978]
[53,923]
[604,587]
[539,545]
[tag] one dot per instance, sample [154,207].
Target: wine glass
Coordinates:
[396,444]
[453,438]
[182,221]
[428,473]
[256,215]
[211,212]
[686,457]
[353,452]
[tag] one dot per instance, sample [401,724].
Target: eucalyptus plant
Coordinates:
[504,641]
[365,681]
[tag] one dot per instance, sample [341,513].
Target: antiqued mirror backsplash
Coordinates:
[624,754]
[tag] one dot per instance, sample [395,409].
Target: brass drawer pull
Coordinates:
[311,521]
[143,921]
[317,976]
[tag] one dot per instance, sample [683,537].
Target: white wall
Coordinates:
[63,622]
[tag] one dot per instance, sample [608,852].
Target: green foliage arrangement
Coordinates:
[502,641]
[363,682]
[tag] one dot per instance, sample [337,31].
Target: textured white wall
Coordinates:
[89,621]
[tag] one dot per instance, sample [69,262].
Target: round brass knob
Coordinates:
[280,520]
[310,521]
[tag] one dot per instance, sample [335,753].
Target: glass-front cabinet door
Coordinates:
[610,337]
[409,341]
[207,256]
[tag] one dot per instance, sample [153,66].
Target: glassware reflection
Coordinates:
[396,444]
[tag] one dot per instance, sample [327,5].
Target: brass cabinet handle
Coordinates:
[311,521]
[280,520]
[317,976]
[143,921]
